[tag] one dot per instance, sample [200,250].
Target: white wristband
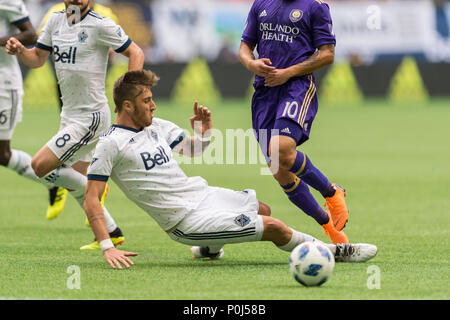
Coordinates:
[202,139]
[106,244]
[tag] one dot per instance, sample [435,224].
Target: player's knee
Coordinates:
[38,167]
[5,155]
[286,157]
[264,209]
[283,150]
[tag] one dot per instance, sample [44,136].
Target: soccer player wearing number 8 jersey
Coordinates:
[79,39]
[293,38]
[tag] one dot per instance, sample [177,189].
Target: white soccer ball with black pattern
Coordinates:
[311,264]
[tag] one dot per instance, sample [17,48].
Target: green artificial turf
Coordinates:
[394,162]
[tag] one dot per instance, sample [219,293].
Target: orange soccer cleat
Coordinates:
[332,233]
[338,208]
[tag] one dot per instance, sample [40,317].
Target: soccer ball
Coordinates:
[311,263]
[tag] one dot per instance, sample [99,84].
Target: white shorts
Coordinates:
[10,112]
[224,216]
[78,136]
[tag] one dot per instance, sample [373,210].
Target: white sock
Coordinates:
[66,177]
[76,183]
[20,162]
[298,238]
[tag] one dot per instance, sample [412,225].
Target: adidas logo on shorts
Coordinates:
[286,130]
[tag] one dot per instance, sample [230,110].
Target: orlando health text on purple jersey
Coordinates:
[288,32]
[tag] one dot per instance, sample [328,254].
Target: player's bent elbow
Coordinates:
[331,58]
[136,55]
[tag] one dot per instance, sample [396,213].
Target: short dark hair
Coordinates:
[127,86]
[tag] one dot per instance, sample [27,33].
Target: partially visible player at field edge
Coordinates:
[14,21]
[293,39]
[137,153]
[58,195]
[79,39]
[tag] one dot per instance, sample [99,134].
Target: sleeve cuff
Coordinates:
[124,46]
[20,21]
[324,41]
[43,47]
[97,177]
[248,40]
[177,140]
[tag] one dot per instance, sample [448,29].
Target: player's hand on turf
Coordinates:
[201,115]
[116,258]
[277,78]
[261,67]
[13,46]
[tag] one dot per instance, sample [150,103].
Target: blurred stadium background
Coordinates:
[384,105]
[398,50]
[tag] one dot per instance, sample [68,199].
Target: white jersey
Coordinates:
[141,164]
[80,53]
[12,13]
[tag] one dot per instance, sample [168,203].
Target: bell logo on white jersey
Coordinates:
[65,57]
[159,158]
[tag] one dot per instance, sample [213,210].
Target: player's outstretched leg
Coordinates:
[287,239]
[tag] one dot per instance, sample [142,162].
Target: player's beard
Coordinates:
[141,119]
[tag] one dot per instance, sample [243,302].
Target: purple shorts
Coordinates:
[289,108]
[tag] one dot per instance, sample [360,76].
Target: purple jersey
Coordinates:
[288,31]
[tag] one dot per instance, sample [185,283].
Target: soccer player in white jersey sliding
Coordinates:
[14,20]
[79,40]
[136,152]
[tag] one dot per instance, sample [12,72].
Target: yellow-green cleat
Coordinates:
[58,197]
[96,246]
[116,236]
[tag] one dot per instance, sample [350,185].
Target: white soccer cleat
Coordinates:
[203,252]
[358,252]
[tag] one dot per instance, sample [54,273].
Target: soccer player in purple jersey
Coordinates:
[293,38]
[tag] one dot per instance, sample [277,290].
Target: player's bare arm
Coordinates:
[94,211]
[27,35]
[261,67]
[33,58]
[201,122]
[323,56]
[135,57]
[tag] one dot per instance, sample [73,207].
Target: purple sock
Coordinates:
[304,169]
[299,194]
